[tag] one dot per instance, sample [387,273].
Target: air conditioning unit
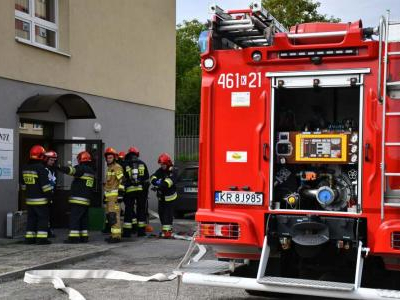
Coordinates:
[16,224]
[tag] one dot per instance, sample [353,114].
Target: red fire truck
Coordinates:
[299,172]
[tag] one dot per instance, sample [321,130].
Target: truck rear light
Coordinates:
[219,230]
[396,240]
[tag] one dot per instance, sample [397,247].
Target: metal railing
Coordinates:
[187,137]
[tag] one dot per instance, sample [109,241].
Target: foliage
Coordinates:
[293,12]
[188,72]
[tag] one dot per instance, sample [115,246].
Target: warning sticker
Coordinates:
[240,99]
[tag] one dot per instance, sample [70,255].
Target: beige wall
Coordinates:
[120,49]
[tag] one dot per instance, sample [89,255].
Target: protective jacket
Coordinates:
[164,181]
[114,177]
[83,184]
[136,174]
[35,181]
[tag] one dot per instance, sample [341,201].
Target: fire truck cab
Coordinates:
[299,171]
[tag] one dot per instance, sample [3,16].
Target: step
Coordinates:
[394,53]
[393,84]
[306,283]
[393,113]
[392,174]
[206,267]
[390,294]
[392,204]
[392,144]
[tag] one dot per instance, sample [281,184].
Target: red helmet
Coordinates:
[51,154]
[83,156]
[134,150]
[37,152]
[121,155]
[165,159]
[111,151]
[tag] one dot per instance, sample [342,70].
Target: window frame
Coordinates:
[35,21]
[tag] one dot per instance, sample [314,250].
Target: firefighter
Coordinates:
[35,182]
[137,176]
[50,158]
[113,184]
[79,200]
[163,181]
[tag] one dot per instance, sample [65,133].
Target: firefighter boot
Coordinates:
[112,240]
[141,231]
[166,234]
[126,232]
[84,239]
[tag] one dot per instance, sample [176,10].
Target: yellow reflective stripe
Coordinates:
[134,221]
[134,188]
[84,233]
[46,188]
[127,225]
[171,197]
[74,235]
[38,201]
[166,227]
[153,177]
[41,234]
[78,200]
[142,224]
[119,175]
[111,194]
[121,187]
[87,177]
[72,170]
[169,182]
[110,173]
[116,230]
[30,234]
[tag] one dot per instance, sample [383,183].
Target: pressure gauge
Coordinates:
[353,149]
[354,138]
[353,158]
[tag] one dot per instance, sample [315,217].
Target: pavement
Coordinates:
[16,258]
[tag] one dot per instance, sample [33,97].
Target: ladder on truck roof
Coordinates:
[244,28]
[389,31]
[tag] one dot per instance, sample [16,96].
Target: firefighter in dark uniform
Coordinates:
[163,181]
[79,200]
[35,182]
[50,158]
[137,178]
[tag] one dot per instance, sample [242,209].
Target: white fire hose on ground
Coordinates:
[56,276]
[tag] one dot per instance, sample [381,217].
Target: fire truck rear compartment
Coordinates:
[316,142]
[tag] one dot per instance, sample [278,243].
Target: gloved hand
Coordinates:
[158,182]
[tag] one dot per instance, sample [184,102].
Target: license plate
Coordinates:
[190,189]
[240,198]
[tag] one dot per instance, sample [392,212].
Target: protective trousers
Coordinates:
[130,221]
[166,212]
[113,213]
[37,223]
[78,222]
[141,209]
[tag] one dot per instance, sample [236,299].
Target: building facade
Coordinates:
[83,75]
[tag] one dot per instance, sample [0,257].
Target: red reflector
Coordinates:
[396,240]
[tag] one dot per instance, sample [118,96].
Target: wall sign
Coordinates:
[6,153]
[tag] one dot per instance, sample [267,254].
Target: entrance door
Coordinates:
[67,151]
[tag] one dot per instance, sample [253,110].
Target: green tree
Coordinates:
[188,72]
[293,12]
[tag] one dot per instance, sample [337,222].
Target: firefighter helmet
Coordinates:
[84,156]
[37,152]
[51,154]
[111,151]
[134,150]
[121,155]
[165,159]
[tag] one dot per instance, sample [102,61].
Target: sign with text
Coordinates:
[6,139]
[6,164]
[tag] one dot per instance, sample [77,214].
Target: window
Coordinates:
[37,126]
[22,125]
[36,22]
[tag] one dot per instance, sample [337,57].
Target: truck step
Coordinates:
[393,113]
[206,267]
[392,174]
[390,294]
[392,204]
[394,53]
[305,283]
